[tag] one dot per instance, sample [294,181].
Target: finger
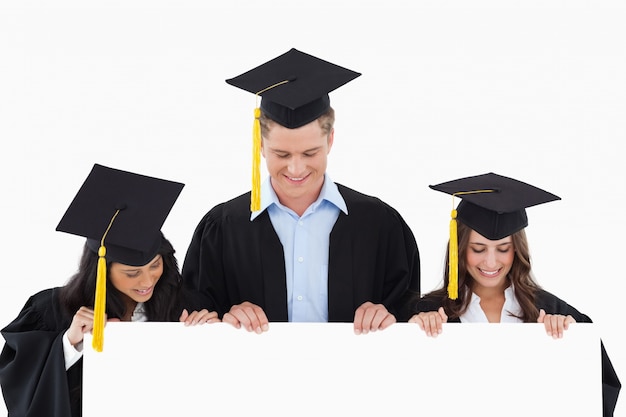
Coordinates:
[212,317]
[199,317]
[196,317]
[569,320]
[381,318]
[425,323]
[246,317]
[87,327]
[191,319]
[83,315]
[557,329]
[440,317]
[434,323]
[417,319]
[86,310]
[232,320]
[258,320]
[551,325]
[560,326]
[547,323]
[369,316]
[358,320]
[387,321]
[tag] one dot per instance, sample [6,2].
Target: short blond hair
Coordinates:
[326,121]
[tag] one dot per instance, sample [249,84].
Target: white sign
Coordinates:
[324,369]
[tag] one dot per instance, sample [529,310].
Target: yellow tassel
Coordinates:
[255,199]
[453,267]
[100,302]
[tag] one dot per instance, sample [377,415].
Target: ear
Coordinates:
[331,138]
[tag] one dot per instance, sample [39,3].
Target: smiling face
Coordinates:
[489,261]
[296,161]
[136,282]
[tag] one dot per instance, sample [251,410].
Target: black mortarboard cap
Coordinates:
[143,202]
[121,214]
[494,205]
[294,86]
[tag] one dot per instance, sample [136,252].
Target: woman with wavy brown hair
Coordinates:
[488,275]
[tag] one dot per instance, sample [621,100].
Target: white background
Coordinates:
[533,90]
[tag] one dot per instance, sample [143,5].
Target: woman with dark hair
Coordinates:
[488,275]
[166,302]
[127,273]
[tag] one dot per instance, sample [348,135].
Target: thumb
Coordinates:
[542,315]
[183,315]
[443,314]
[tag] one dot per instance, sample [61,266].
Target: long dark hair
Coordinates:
[164,305]
[520,277]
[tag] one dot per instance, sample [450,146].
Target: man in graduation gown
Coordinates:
[301,247]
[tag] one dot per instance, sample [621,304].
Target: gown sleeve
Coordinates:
[202,262]
[410,289]
[32,366]
[611,384]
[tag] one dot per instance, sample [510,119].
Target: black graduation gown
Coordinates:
[373,256]
[551,304]
[32,366]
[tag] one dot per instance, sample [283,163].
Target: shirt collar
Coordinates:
[329,192]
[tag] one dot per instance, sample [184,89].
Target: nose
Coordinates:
[148,279]
[296,166]
[490,260]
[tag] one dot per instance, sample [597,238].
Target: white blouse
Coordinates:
[475,313]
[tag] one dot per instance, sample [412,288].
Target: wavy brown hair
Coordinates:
[520,277]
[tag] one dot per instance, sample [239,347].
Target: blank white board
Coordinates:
[321,369]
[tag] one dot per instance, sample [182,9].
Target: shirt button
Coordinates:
[300,259]
[299,298]
[301,223]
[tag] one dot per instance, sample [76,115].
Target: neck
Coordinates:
[299,206]
[490,292]
[299,203]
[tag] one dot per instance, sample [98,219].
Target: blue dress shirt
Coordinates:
[305,243]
